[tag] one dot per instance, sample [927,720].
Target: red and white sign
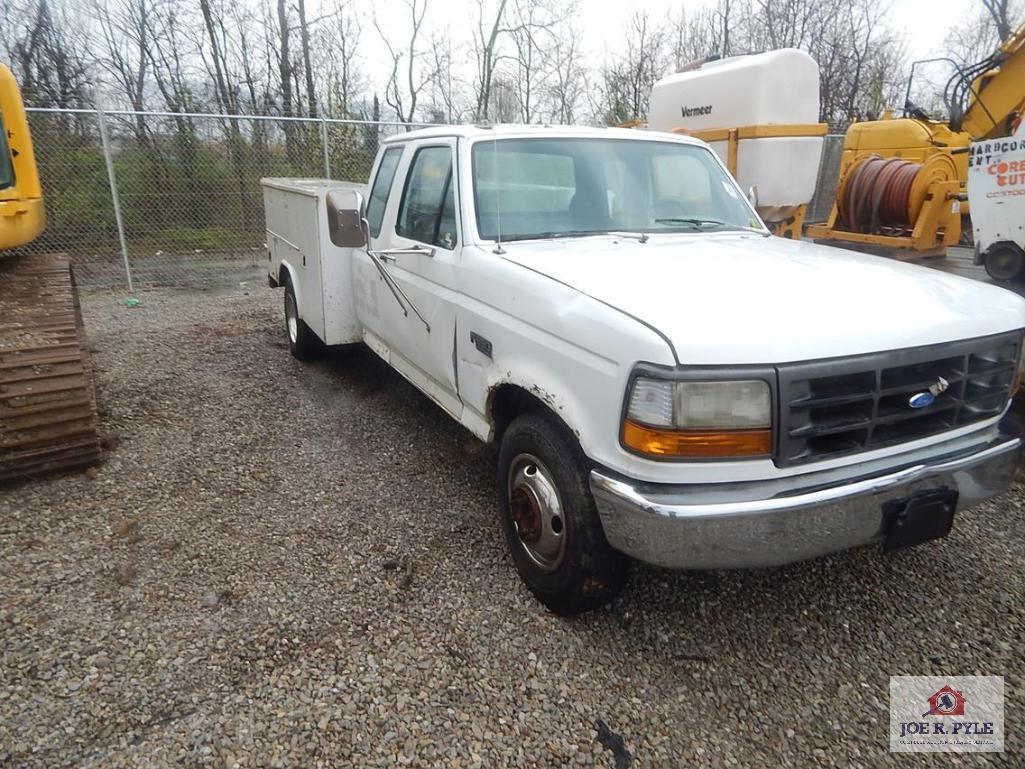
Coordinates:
[996,190]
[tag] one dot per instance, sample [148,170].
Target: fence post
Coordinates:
[323,144]
[108,157]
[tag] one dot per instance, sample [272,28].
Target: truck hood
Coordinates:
[736,298]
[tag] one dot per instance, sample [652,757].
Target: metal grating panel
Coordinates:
[47,403]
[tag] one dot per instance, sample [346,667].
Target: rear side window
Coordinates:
[428,210]
[382,185]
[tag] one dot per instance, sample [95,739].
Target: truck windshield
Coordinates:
[543,188]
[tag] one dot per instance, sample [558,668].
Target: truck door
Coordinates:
[419,246]
[376,306]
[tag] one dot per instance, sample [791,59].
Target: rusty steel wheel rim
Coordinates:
[537,512]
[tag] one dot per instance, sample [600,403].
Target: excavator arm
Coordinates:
[997,94]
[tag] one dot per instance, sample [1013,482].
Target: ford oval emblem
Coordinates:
[921,400]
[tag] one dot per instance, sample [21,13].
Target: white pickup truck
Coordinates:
[666,380]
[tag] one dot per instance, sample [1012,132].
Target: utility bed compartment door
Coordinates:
[293,237]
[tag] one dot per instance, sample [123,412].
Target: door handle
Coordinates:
[417,249]
[386,256]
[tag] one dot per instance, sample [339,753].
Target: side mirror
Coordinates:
[345,213]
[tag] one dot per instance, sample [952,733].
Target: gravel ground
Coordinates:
[301,565]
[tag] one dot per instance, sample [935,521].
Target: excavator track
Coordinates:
[48,419]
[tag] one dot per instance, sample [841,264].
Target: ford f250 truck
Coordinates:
[666,381]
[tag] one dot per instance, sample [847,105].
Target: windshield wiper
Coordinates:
[692,220]
[554,234]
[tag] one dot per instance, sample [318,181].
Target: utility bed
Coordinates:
[299,250]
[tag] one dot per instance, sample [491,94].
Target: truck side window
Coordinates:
[428,210]
[382,186]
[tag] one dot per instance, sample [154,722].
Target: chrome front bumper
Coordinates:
[676,527]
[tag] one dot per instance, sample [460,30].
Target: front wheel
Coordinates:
[1004,262]
[551,523]
[302,342]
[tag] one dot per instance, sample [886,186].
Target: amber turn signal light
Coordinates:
[664,442]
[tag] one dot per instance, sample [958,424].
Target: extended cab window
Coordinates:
[428,209]
[382,185]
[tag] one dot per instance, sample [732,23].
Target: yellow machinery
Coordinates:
[902,182]
[22,217]
[47,401]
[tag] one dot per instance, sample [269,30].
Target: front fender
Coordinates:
[584,394]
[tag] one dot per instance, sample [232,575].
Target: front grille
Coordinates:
[845,405]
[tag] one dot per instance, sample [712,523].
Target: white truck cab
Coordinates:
[666,380]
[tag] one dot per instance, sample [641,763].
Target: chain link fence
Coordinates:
[156,198]
[151,198]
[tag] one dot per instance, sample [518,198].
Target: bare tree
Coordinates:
[300,57]
[48,53]
[166,54]
[443,86]
[487,37]
[533,35]
[627,79]
[1001,13]
[504,102]
[860,62]
[978,35]
[344,82]
[406,83]
[787,23]
[124,27]
[284,59]
[215,56]
[304,42]
[567,82]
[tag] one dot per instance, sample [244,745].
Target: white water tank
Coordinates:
[773,88]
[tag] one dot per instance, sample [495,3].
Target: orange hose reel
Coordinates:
[888,193]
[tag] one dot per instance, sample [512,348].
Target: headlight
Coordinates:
[667,418]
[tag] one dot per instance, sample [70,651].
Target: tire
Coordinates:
[550,519]
[302,342]
[1004,262]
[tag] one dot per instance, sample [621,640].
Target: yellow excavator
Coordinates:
[47,402]
[902,182]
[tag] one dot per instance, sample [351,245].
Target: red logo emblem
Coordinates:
[946,702]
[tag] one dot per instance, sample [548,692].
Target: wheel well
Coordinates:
[283,276]
[508,401]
